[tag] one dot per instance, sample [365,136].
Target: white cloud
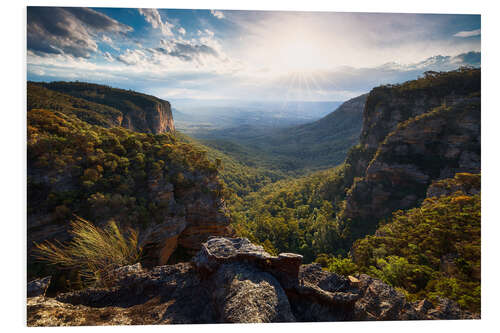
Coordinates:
[107,40]
[470,33]
[217,13]
[108,57]
[208,75]
[328,56]
[152,16]
[132,57]
[303,41]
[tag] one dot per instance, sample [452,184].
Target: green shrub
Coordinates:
[342,266]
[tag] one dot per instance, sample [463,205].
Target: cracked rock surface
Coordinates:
[231,280]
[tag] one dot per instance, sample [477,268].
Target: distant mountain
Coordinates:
[320,144]
[178,115]
[103,105]
[200,117]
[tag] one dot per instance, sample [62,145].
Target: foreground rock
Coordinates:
[38,287]
[232,280]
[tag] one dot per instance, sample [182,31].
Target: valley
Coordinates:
[202,166]
[346,187]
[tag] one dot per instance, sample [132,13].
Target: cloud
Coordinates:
[185,50]
[217,13]
[469,58]
[161,75]
[209,33]
[470,33]
[345,82]
[154,18]
[327,39]
[300,55]
[172,53]
[73,31]
[108,57]
[107,40]
[132,57]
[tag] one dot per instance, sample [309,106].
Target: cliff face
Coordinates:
[187,215]
[154,118]
[387,106]
[231,281]
[411,136]
[191,215]
[165,189]
[126,108]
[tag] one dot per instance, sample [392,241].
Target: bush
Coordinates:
[342,266]
[93,251]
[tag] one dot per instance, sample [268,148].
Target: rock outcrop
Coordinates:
[389,105]
[165,189]
[466,183]
[155,118]
[233,281]
[38,287]
[126,108]
[191,216]
[413,134]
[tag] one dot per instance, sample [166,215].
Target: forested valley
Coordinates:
[387,184]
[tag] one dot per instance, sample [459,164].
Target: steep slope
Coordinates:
[294,214]
[412,134]
[241,175]
[433,250]
[155,183]
[318,145]
[139,112]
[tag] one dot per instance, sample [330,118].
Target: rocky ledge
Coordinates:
[231,280]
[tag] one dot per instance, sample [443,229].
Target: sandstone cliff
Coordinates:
[231,281]
[165,189]
[103,105]
[412,134]
[189,214]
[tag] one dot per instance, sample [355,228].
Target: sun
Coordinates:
[299,53]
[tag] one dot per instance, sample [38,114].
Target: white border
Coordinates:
[13,195]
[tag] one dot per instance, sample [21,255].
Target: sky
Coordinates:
[245,55]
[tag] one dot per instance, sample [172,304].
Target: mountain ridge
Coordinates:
[317,145]
[130,109]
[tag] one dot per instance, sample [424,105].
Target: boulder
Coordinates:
[38,287]
[249,295]
[219,250]
[378,300]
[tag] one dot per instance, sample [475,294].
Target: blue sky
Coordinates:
[248,55]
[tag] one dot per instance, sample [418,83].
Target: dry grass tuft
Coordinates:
[93,251]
